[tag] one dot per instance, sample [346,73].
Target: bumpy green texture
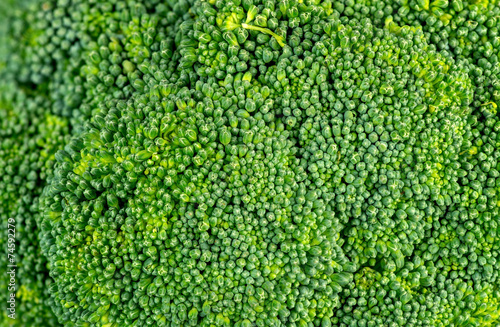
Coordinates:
[252,162]
[29,138]
[43,99]
[277,164]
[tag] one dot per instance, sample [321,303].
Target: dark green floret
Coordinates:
[252,163]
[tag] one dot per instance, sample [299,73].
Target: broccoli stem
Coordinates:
[278,38]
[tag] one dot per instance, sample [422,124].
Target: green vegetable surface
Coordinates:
[252,162]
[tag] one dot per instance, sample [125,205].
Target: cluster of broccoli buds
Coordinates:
[259,162]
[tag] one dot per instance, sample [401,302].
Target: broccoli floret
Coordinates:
[189,193]
[237,169]
[29,138]
[255,162]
